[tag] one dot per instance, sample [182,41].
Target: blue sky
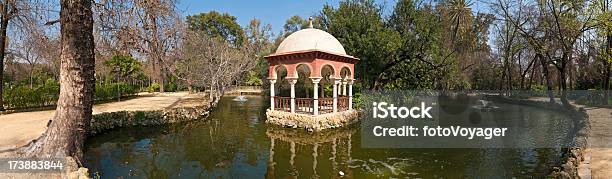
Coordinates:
[274,12]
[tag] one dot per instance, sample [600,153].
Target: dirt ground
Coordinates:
[598,156]
[17,129]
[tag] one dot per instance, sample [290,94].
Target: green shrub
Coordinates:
[357,101]
[154,87]
[114,91]
[170,87]
[21,97]
[50,91]
[589,97]
[582,100]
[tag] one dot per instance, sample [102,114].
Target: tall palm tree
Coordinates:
[460,13]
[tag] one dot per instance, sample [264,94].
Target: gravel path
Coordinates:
[17,129]
[598,156]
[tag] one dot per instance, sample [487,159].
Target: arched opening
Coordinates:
[303,87]
[327,72]
[343,90]
[280,71]
[345,73]
[281,87]
[326,101]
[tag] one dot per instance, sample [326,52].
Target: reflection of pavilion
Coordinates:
[315,54]
[338,141]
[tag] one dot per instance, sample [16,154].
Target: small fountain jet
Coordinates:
[485,105]
[240,98]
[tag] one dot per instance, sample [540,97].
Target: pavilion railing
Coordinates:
[326,105]
[343,103]
[282,103]
[304,105]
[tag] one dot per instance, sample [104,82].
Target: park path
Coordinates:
[598,154]
[17,129]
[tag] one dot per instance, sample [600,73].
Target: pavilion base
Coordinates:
[310,122]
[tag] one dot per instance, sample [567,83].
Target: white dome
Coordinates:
[311,39]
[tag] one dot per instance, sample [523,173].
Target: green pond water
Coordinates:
[235,142]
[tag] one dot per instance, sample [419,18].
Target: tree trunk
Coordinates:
[210,93]
[608,66]
[509,85]
[531,76]
[524,72]
[503,78]
[161,81]
[563,78]
[68,128]
[156,52]
[564,87]
[544,64]
[4,12]
[570,76]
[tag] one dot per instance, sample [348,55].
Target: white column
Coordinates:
[350,94]
[292,82]
[315,96]
[336,83]
[272,81]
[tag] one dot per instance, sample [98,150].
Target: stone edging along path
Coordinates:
[573,155]
[111,120]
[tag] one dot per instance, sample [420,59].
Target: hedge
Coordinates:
[22,97]
[113,90]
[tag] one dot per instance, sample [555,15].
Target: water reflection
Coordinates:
[235,142]
[299,141]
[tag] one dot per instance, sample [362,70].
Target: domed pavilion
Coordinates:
[313,56]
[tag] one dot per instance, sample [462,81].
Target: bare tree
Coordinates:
[30,46]
[219,60]
[552,28]
[150,29]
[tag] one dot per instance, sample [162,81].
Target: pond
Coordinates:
[235,142]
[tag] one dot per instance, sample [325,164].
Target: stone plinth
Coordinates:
[310,122]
